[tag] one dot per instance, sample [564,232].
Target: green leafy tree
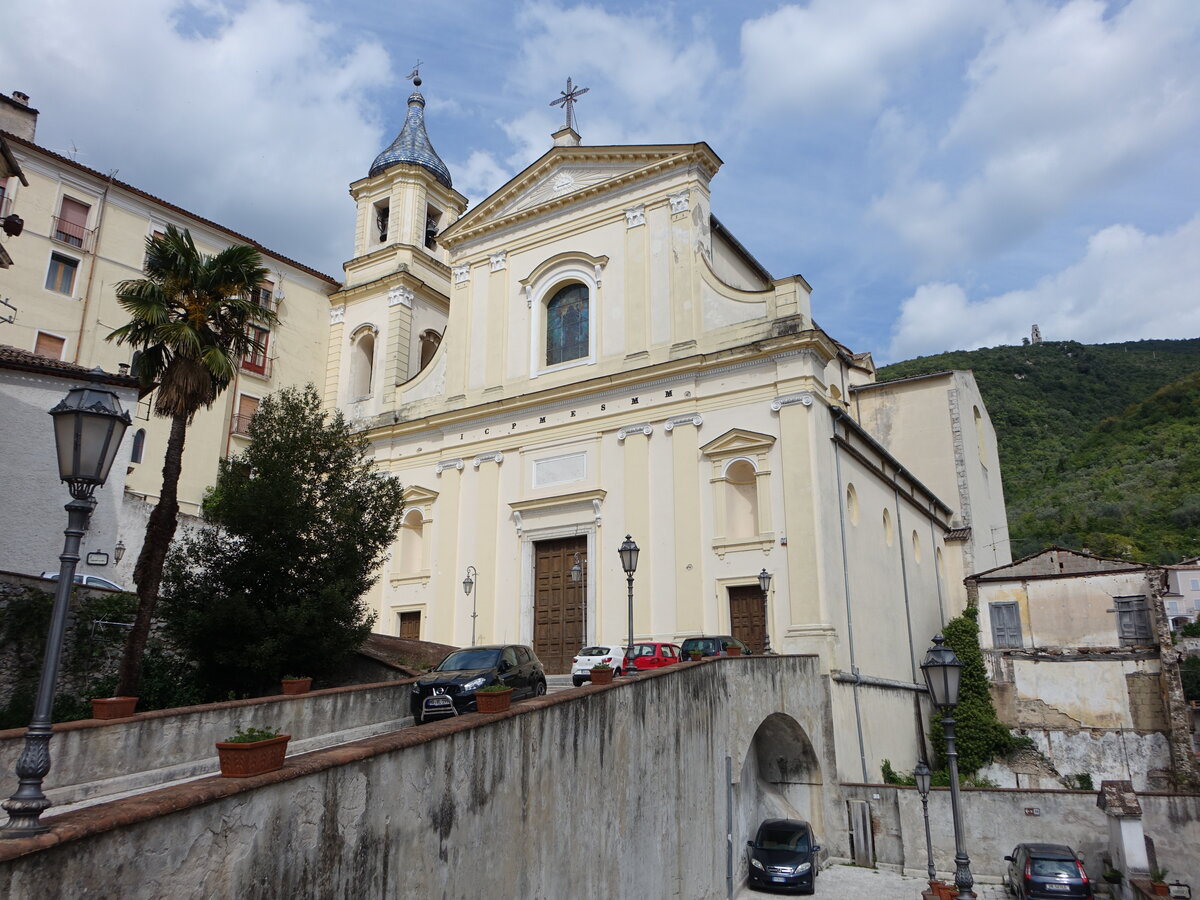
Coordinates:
[979,735]
[294,531]
[189,319]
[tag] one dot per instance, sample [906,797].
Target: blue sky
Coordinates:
[944,173]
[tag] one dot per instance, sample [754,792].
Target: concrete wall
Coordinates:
[93,758]
[996,820]
[602,791]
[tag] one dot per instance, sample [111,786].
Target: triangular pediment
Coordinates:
[565,175]
[415,495]
[737,441]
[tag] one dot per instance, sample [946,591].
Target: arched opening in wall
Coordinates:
[852,504]
[887,526]
[741,499]
[979,435]
[781,779]
[139,446]
[362,364]
[412,542]
[835,394]
[430,341]
[916,544]
[567,323]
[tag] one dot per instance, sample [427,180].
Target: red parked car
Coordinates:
[654,655]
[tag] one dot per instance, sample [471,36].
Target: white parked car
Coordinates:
[593,655]
[92,581]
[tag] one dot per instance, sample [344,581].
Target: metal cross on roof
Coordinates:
[567,101]
[415,75]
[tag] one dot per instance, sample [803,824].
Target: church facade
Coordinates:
[589,354]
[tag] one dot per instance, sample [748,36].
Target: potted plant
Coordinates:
[296,684]
[113,707]
[732,649]
[252,751]
[602,673]
[696,655]
[1113,876]
[493,698]
[1158,881]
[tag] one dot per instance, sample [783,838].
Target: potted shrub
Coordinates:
[113,707]
[296,684]
[1158,881]
[1113,876]
[602,673]
[493,698]
[732,649]
[696,655]
[252,751]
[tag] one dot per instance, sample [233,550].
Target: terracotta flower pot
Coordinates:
[296,685]
[733,651]
[254,758]
[602,676]
[696,657]
[493,701]
[113,707]
[1161,889]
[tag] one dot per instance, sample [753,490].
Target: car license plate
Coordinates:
[582,672]
[1058,887]
[778,878]
[442,702]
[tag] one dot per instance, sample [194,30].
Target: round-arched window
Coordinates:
[567,324]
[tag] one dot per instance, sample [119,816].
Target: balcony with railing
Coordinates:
[257,365]
[71,233]
[240,425]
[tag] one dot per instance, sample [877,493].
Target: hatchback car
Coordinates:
[610,654]
[783,856]
[712,646]
[449,688]
[92,581]
[654,655]
[1046,870]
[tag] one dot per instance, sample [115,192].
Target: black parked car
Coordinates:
[783,855]
[449,688]
[1046,870]
[712,646]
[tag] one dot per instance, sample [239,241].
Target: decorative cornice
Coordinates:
[400,296]
[495,456]
[689,419]
[445,464]
[337,314]
[641,428]
[499,261]
[805,398]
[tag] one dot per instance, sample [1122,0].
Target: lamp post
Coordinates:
[943,672]
[923,778]
[577,569]
[88,426]
[629,558]
[764,582]
[468,585]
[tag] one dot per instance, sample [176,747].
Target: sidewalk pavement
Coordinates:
[842,881]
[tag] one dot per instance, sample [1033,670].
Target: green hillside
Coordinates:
[1099,444]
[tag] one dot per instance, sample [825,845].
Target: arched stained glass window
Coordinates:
[567,325]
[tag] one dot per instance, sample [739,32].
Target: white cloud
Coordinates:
[1063,101]
[245,116]
[845,54]
[1127,286]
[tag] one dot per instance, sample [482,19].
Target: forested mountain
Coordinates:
[1099,444]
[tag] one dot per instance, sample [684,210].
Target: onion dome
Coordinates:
[412,145]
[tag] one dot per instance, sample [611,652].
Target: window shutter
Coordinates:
[49,346]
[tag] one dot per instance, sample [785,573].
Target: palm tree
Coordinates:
[189,317]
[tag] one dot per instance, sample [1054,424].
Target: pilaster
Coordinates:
[685,470]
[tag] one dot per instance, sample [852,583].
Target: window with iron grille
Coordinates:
[1133,621]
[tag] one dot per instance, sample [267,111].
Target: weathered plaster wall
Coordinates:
[994,821]
[605,791]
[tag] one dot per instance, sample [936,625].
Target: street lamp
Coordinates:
[943,673]
[468,584]
[923,777]
[577,569]
[629,557]
[764,582]
[88,426]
